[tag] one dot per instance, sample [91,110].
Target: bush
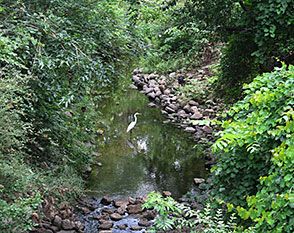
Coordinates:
[173,215]
[255,169]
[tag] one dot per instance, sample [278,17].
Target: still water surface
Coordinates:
[154,156]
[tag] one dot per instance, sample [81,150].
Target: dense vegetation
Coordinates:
[58,59]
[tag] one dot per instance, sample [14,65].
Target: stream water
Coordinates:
[153,157]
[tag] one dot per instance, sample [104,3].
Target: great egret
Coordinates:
[133,123]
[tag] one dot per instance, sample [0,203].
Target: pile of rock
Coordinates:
[62,220]
[192,116]
[125,215]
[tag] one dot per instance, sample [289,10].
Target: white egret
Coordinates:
[133,123]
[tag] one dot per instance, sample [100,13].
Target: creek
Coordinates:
[154,157]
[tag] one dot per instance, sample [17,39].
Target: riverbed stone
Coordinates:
[196,116]
[151,95]
[170,110]
[173,106]
[136,228]
[167,91]
[199,180]
[116,217]
[149,214]
[134,209]
[122,227]
[57,221]
[144,223]
[193,103]
[182,114]
[120,203]
[106,225]
[147,90]
[67,224]
[166,193]
[158,93]
[172,75]
[208,112]
[187,108]
[207,129]
[106,200]
[190,129]
[194,109]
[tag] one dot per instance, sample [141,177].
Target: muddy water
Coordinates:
[154,156]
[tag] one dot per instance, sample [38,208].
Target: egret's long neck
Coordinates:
[135,119]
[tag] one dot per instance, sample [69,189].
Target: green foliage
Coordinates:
[172,39]
[255,169]
[57,60]
[173,215]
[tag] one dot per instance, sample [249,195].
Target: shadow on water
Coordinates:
[154,156]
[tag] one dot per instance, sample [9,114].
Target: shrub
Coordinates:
[255,169]
[173,215]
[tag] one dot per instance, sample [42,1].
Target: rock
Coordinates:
[134,87]
[134,209]
[158,93]
[210,102]
[85,210]
[67,224]
[196,116]
[105,231]
[79,225]
[173,106]
[116,217]
[187,108]
[190,129]
[107,211]
[182,114]
[121,203]
[151,95]
[208,112]
[106,225]
[207,129]
[166,193]
[153,76]
[149,214]
[198,180]
[106,200]
[57,221]
[136,79]
[136,228]
[162,81]
[147,90]
[122,227]
[152,105]
[121,210]
[172,75]
[166,121]
[144,222]
[193,103]
[167,91]
[170,110]
[132,200]
[194,109]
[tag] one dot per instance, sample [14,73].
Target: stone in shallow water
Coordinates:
[144,223]
[106,225]
[116,217]
[134,209]
[136,228]
[106,200]
[67,224]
